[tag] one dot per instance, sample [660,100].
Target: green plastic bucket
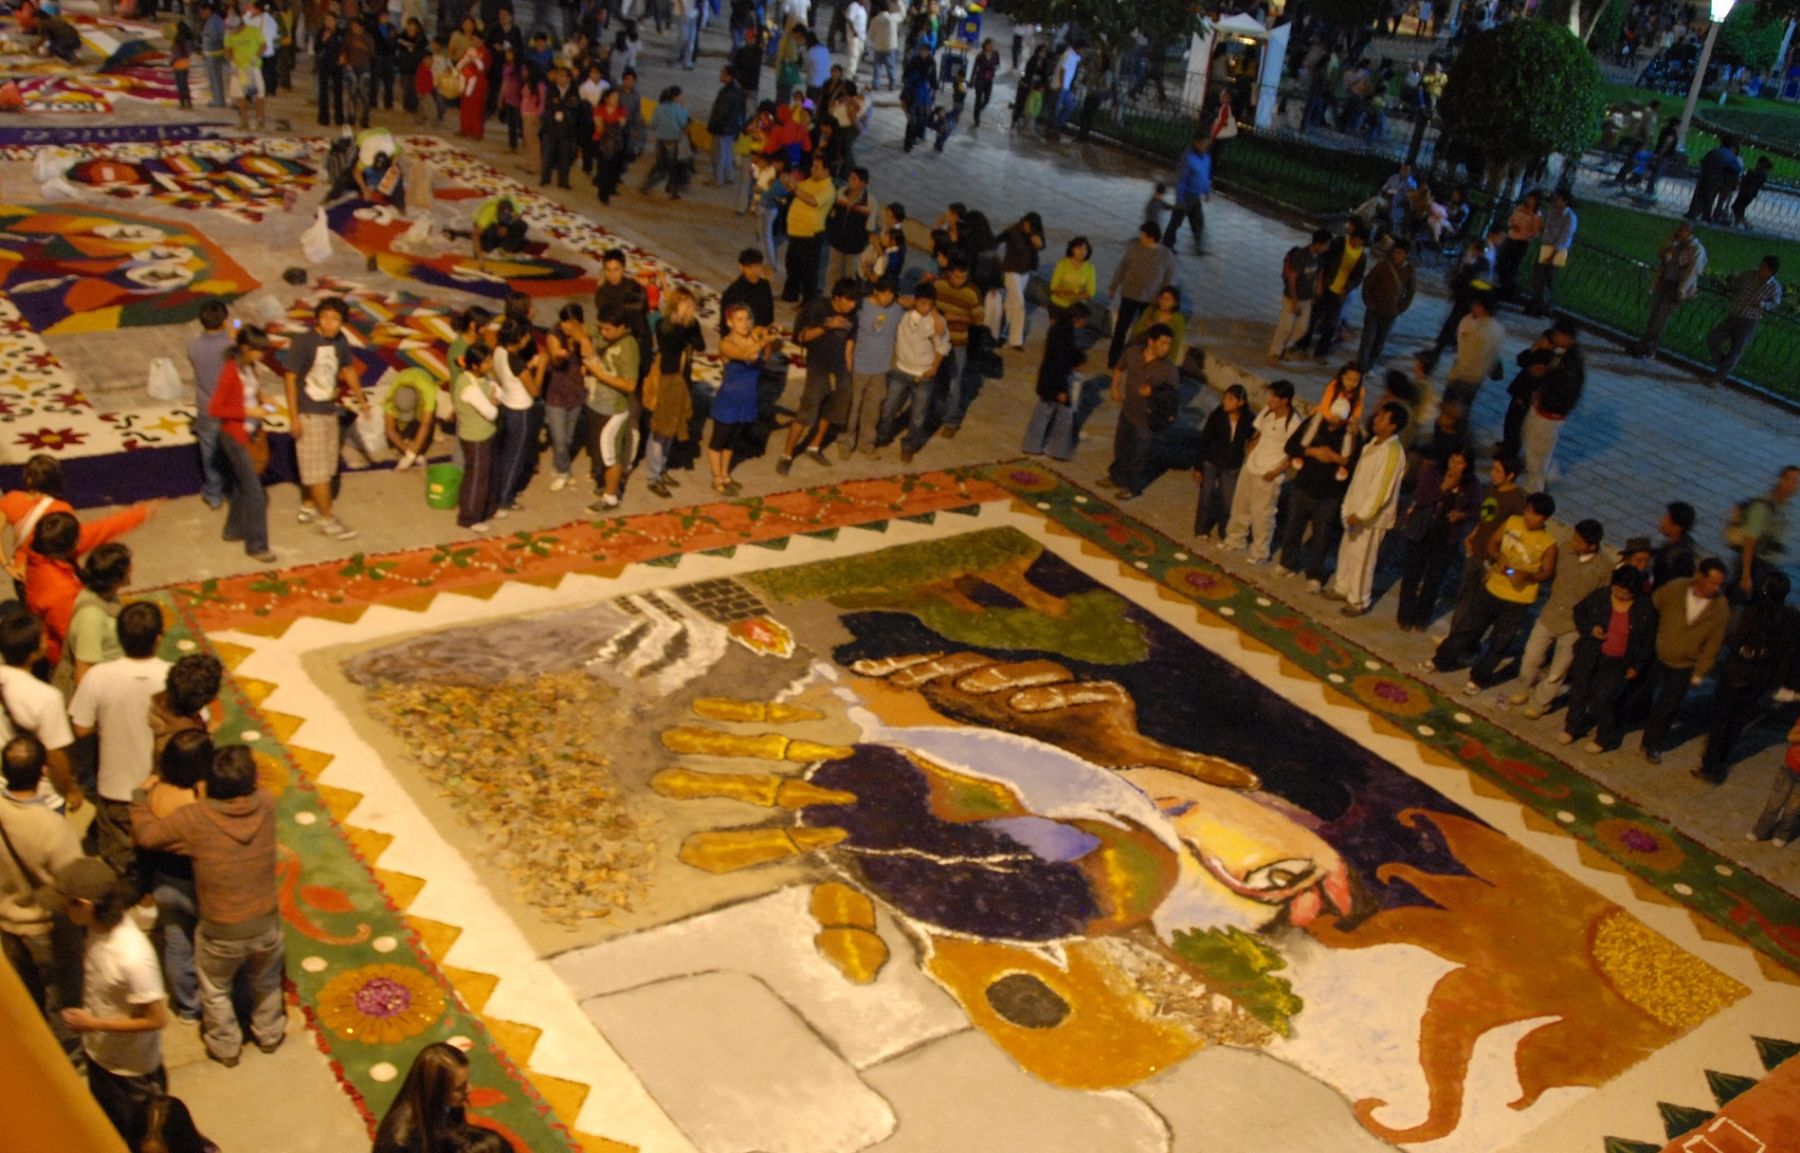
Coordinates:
[443,485]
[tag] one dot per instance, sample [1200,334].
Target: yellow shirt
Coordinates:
[1522,550]
[1069,284]
[1352,254]
[803,219]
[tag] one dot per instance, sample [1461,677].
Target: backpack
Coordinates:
[1736,535]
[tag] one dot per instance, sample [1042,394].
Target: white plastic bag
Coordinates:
[59,188]
[50,164]
[417,238]
[315,242]
[371,426]
[164,382]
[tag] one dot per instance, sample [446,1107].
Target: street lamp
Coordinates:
[1720,10]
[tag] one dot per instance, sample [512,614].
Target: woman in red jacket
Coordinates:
[238,406]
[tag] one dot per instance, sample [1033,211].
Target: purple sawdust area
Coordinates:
[27,136]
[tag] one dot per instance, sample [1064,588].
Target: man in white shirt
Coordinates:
[1369,510]
[114,701]
[920,345]
[123,1005]
[884,39]
[1480,338]
[856,18]
[1252,521]
[1066,66]
[271,32]
[34,707]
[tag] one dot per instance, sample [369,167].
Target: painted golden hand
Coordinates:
[1095,720]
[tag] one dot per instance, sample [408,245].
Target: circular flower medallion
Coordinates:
[380,1004]
[1390,695]
[1634,842]
[1201,584]
[1026,478]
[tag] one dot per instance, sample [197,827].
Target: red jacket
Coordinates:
[51,586]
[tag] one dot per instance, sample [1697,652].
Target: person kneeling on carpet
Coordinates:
[410,415]
[498,227]
[59,38]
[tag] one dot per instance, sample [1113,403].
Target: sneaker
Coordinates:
[406,461]
[502,513]
[1518,698]
[784,466]
[560,482]
[1593,748]
[606,503]
[333,527]
[1313,586]
[818,455]
[1124,495]
[480,526]
[1534,712]
[1428,666]
[271,1046]
[1471,689]
[659,488]
[266,556]
[307,514]
[948,432]
[1565,738]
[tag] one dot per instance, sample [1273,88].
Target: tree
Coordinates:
[1115,24]
[1751,37]
[1344,14]
[1597,22]
[1519,93]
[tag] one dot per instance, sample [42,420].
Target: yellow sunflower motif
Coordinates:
[380,1004]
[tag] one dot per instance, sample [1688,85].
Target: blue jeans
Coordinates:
[770,218]
[724,171]
[1065,107]
[689,44]
[953,370]
[212,471]
[656,457]
[562,423]
[889,62]
[176,917]
[1052,428]
[248,517]
[217,69]
[908,391]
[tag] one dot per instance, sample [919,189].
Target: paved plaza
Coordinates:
[1645,433]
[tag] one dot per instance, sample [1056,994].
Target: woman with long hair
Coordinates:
[238,405]
[610,131]
[567,345]
[1446,498]
[671,403]
[1224,439]
[429,1108]
[477,402]
[518,370]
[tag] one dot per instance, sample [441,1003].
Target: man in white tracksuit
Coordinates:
[1369,510]
[1259,482]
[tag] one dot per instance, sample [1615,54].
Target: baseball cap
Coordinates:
[83,879]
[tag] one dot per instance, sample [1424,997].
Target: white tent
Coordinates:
[1268,81]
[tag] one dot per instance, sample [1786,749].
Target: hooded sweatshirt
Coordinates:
[232,843]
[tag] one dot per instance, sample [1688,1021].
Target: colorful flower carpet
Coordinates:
[1373,861]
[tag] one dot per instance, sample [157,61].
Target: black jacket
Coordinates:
[1222,447]
[1595,612]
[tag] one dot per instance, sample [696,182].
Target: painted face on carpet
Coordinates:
[1110,846]
[375,232]
[75,269]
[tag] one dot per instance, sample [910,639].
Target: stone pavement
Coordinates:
[1645,433]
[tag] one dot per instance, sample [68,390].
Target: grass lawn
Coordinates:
[1770,120]
[1630,232]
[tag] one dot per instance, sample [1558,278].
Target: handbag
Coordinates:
[258,449]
